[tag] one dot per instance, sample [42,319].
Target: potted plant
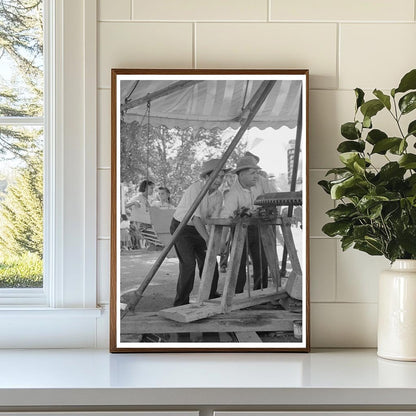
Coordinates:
[376,206]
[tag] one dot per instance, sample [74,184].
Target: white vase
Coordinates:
[397,312]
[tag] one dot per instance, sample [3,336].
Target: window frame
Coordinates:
[70,167]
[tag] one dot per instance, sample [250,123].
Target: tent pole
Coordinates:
[294,176]
[253,107]
[158,94]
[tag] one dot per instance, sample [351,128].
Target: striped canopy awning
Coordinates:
[211,103]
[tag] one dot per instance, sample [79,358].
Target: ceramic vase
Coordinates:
[397,312]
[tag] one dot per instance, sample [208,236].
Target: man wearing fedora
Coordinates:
[191,243]
[242,194]
[263,185]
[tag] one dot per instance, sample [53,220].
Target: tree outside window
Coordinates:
[21,143]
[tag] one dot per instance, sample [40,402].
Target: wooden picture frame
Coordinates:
[204,135]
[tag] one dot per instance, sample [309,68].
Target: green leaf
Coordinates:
[375,136]
[391,170]
[336,228]
[411,130]
[375,212]
[325,186]
[408,102]
[359,94]
[371,108]
[383,145]
[347,187]
[369,201]
[408,161]
[348,158]
[349,131]
[385,99]
[361,231]
[367,122]
[408,82]
[349,146]
[407,240]
[368,248]
[342,211]
[402,147]
[346,242]
[338,171]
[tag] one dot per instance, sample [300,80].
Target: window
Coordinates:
[64,313]
[22,132]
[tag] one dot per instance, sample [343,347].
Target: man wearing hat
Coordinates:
[191,244]
[263,185]
[242,194]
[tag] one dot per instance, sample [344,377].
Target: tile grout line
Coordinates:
[307,22]
[131,9]
[269,11]
[338,63]
[194,62]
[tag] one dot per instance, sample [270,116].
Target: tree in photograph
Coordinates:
[169,157]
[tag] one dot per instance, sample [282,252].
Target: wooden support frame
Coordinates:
[269,82]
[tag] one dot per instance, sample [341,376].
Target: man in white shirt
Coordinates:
[191,244]
[242,194]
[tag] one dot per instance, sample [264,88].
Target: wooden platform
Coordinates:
[248,321]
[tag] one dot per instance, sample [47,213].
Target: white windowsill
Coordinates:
[39,311]
[322,378]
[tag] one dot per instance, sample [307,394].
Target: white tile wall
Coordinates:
[114,10]
[270,45]
[142,45]
[343,325]
[345,44]
[357,275]
[200,10]
[323,265]
[386,53]
[369,10]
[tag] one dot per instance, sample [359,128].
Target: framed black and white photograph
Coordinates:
[209,210]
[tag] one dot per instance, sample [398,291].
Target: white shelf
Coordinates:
[58,378]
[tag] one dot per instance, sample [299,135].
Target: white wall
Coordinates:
[345,44]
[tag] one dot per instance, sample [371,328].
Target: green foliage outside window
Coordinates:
[21,146]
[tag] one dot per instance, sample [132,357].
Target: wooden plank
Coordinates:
[291,248]
[233,266]
[294,282]
[268,239]
[194,312]
[247,337]
[210,263]
[236,321]
[191,312]
[257,297]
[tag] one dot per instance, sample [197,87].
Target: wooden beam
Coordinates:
[194,312]
[237,321]
[294,173]
[210,264]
